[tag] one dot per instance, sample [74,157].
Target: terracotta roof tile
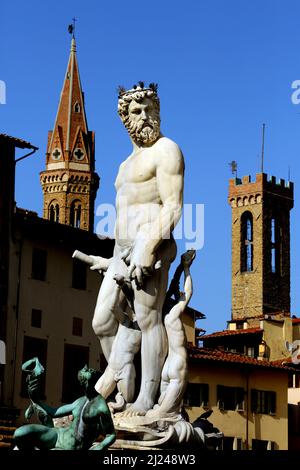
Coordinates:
[233,332]
[210,354]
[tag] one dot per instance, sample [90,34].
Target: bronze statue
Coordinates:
[91,417]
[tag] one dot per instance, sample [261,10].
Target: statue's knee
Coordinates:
[21,432]
[104,323]
[97,327]
[103,329]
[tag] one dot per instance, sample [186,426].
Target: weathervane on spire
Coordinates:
[71,28]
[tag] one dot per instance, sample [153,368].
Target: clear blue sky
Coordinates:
[223,68]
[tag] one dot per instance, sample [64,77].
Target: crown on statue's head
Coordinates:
[140,87]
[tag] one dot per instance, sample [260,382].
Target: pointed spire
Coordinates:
[70,115]
[69,182]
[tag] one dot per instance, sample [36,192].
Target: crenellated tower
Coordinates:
[260,246]
[70,182]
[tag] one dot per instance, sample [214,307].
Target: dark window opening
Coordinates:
[54,213]
[77,326]
[275,245]
[34,347]
[227,443]
[75,214]
[79,275]
[75,358]
[247,242]
[57,213]
[263,402]
[36,318]
[259,445]
[196,395]
[39,264]
[239,444]
[77,107]
[230,398]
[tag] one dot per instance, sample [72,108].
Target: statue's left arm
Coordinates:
[169,176]
[108,429]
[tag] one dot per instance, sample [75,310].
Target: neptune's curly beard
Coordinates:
[144,133]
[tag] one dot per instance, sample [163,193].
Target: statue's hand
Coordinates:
[141,265]
[100,264]
[33,386]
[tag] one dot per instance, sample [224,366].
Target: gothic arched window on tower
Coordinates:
[77,107]
[51,213]
[247,242]
[54,212]
[275,245]
[75,214]
[57,213]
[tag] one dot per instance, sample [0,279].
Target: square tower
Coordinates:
[260,246]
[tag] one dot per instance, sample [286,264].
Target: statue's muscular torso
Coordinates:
[138,199]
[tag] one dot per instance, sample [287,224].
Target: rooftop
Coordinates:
[233,332]
[210,354]
[20,143]
[32,227]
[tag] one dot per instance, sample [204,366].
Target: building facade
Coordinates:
[247,397]
[47,298]
[250,362]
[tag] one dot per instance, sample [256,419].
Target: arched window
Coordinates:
[247,242]
[75,214]
[51,213]
[54,212]
[275,241]
[77,107]
[57,213]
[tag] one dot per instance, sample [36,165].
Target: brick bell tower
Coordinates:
[69,182]
[260,246]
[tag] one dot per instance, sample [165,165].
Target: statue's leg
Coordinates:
[120,367]
[107,382]
[104,323]
[126,383]
[148,309]
[165,380]
[35,436]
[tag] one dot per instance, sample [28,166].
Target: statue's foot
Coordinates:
[130,413]
[139,407]
[155,413]
[159,414]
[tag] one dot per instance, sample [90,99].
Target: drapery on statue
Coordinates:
[149,189]
[90,417]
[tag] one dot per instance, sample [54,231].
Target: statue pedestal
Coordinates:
[145,432]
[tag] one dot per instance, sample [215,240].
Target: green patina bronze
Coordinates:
[90,417]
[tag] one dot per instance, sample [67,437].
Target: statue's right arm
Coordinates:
[60,412]
[66,410]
